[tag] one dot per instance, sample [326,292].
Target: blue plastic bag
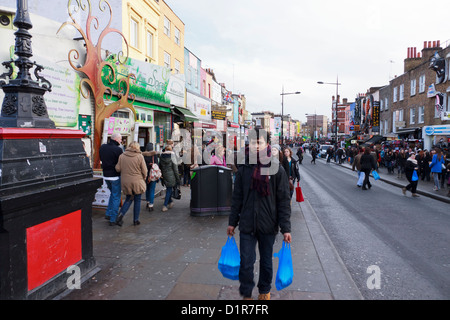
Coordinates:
[230,260]
[415,177]
[285,272]
[375,175]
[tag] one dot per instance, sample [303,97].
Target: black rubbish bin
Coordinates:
[211,191]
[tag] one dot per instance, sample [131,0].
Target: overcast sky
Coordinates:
[256,47]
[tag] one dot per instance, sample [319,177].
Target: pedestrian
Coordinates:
[367,165]
[411,166]
[218,158]
[401,162]
[300,154]
[151,159]
[313,154]
[436,165]
[290,166]
[329,154]
[170,176]
[109,156]
[133,171]
[261,207]
[357,164]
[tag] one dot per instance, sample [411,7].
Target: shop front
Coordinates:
[436,135]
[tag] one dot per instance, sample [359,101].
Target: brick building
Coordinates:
[408,103]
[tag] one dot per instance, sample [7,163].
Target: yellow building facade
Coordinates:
[171,39]
[154,33]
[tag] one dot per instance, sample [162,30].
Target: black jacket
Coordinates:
[109,156]
[255,213]
[368,162]
[294,167]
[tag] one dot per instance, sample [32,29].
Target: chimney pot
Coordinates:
[439,43]
[429,44]
[415,52]
[424,44]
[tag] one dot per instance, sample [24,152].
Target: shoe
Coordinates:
[370,186]
[136,223]
[150,206]
[404,191]
[170,206]
[164,209]
[415,195]
[119,220]
[264,296]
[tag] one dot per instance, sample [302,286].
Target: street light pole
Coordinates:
[335,111]
[282,112]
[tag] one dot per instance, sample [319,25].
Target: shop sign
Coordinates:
[120,125]
[152,81]
[85,123]
[218,115]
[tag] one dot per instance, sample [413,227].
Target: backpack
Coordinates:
[155,173]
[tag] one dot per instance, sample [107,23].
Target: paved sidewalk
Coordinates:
[174,256]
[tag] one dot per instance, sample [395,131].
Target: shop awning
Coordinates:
[185,114]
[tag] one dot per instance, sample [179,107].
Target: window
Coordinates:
[134,33]
[413,87]
[421,114]
[402,92]
[422,84]
[394,98]
[149,44]
[177,66]
[167,60]
[167,27]
[412,115]
[381,104]
[386,126]
[386,103]
[177,36]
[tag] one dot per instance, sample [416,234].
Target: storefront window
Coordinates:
[162,127]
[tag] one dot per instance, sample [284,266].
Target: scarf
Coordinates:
[259,182]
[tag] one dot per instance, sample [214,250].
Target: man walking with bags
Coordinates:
[261,207]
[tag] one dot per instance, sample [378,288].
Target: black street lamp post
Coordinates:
[282,112]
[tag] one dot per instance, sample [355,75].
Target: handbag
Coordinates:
[285,272]
[230,260]
[291,184]
[155,173]
[176,194]
[375,175]
[415,177]
[299,193]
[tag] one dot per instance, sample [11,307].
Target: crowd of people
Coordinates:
[429,165]
[133,173]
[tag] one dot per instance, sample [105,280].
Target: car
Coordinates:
[323,150]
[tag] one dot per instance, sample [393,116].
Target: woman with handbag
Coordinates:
[290,165]
[133,172]
[411,168]
[170,176]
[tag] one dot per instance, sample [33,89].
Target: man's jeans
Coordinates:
[248,258]
[114,199]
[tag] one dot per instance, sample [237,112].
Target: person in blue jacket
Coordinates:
[436,166]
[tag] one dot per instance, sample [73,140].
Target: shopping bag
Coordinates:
[230,260]
[415,177]
[375,175]
[285,272]
[360,182]
[176,194]
[299,193]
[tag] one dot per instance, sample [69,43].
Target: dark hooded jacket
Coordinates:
[255,213]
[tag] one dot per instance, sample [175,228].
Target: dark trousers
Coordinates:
[366,178]
[412,186]
[248,257]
